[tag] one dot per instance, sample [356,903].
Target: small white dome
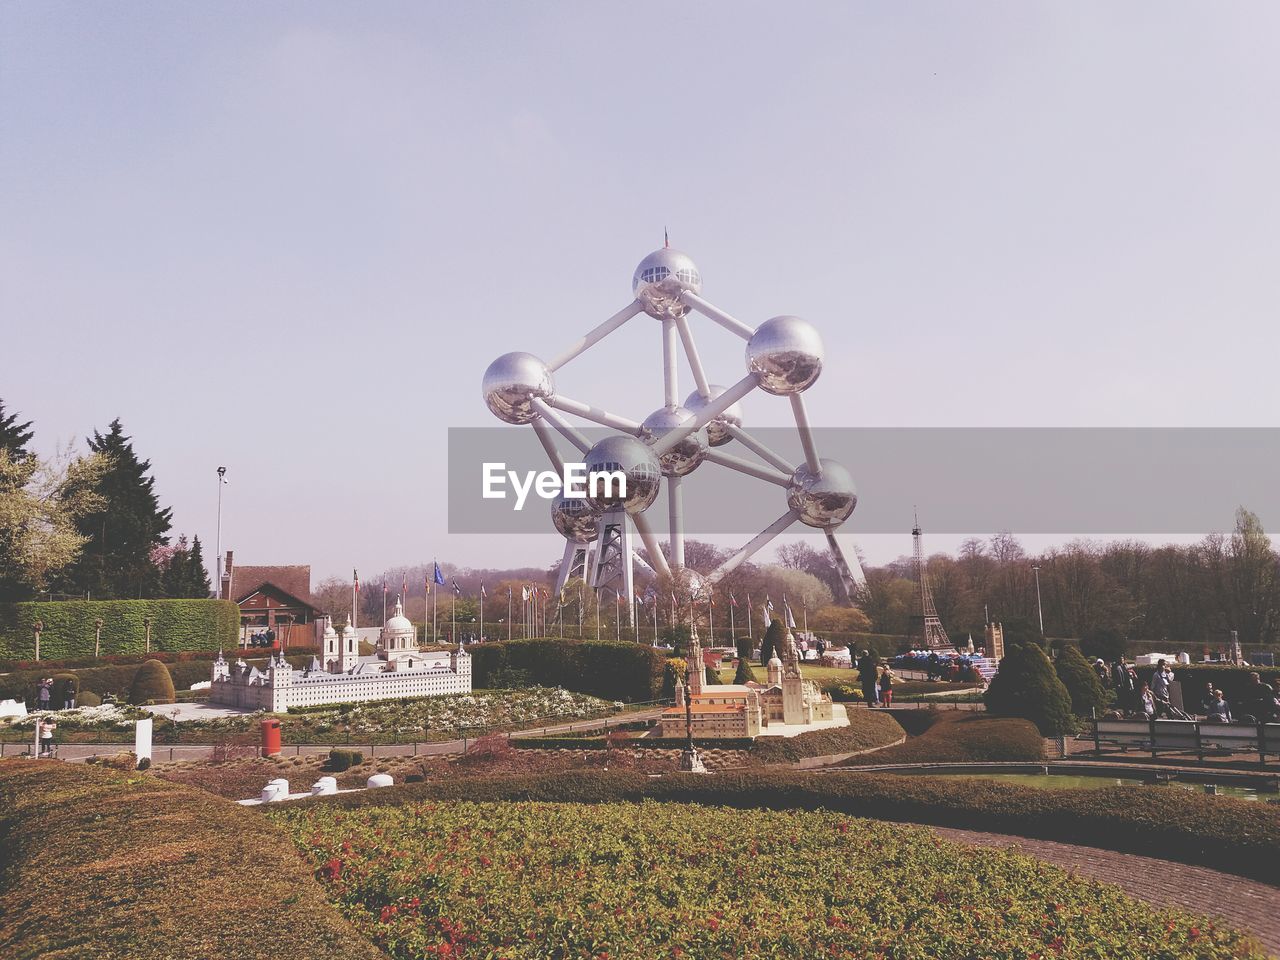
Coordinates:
[398,623]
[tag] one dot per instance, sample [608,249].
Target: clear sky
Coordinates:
[289,237]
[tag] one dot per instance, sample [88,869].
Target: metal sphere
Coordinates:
[785,355]
[717,435]
[660,279]
[636,461]
[682,459]
[512,382]
[574,518]
[823,500]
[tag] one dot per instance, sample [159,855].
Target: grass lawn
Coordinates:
[624,880]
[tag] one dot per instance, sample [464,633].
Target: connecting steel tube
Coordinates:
[712,312]
[596,335]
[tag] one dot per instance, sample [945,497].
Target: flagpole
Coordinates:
[384,600]
[482,610]
[617,615]
[579,611]
[711,620]
[597,613]
[749,637]
[635,619]
[733,637]
[655,619]
[508,612]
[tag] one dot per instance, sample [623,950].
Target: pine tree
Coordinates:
[14,436]
[772,641]
[116,563]
[198,585]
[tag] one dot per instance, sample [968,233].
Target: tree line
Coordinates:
[88,524]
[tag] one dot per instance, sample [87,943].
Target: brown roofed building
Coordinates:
[276,598]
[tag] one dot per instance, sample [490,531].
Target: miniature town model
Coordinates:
[748,709]
[397,669]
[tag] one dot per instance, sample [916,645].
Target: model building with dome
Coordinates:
[786,700]
[397,669]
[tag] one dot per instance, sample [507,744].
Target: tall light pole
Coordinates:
[1039,608]
[222,479]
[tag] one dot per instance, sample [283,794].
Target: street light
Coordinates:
[222,479]
[1039,608]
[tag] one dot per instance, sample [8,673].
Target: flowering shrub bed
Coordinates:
[108,716]
[612,881]
[384,721]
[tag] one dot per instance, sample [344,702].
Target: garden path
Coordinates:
[1247,905]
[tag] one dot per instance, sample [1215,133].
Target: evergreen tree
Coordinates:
[198,585]
[772,641]
[117,560]
[1026,686]
[14,436]
[1082,683]
[744,674]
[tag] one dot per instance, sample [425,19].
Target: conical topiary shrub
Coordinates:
[772,642]
[1082,683]
[152,683]
[1026,686]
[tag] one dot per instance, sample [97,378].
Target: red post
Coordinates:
[270,737]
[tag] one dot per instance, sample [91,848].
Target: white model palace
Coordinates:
[751,709]
[398,669]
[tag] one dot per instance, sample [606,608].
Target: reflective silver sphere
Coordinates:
[639,465]
[660,279]
[822,501]
[717,435]
[682,459]
[785,355]
[574,518]
[512,382]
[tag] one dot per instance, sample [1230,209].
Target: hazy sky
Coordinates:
[289,237]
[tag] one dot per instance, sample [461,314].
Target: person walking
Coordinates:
[43,695]
[886,686]
[46,737]
[867,677]
[1160,681]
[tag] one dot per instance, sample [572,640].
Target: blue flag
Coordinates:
[438,577]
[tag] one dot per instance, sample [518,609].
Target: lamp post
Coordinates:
[1039,608]
[97,637]
[222,479]
[39,627]
[146,623]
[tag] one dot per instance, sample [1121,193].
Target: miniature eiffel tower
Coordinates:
[925,631]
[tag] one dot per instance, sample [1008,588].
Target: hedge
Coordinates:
[611,670]
[69,627]
[950,736]
[152,684]
[117,678]
[1235,836]
[1231,680]
[143,869]
[164,656]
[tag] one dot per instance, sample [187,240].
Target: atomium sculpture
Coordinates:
[784,357]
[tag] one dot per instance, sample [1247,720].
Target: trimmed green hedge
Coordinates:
[69,627]
[1235,836]
[117,678]
[647,743]
[611,670]
[953,736]
[142,869]
[1231,680]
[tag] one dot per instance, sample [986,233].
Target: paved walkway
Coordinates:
[163,752]
[1246,905]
